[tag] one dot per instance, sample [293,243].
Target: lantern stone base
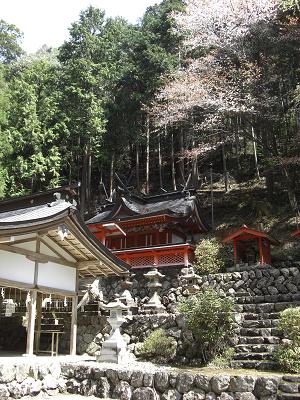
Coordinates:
[154,305]
[114,350]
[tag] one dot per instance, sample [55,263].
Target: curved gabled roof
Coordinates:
[176,205]
[36,214]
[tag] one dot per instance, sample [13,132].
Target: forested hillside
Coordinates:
[197,90]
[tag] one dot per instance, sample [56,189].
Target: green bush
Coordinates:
[209,317]
[223,360]
[289,324]
[159,346]
[288,358]
[211,256]
[288,355]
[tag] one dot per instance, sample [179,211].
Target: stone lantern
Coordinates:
[189,280]
[126,285]
[154,305]
[114,349]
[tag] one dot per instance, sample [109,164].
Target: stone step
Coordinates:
[258,332]
[265,307]
[260,323]
[259,316]
[254,348]
[291,378]
[262,365]
[289,387]
[288,396]
[258,340]
[252,356]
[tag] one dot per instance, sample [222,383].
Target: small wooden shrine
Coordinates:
[251,246]
[151,231]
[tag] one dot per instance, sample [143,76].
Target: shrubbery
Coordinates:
[288,358]
[211,256]
[209,317]
[288,354]
[159,346]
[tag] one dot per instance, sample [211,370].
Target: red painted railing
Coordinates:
[160,256]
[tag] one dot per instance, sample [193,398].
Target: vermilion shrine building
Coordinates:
[251,246]
[151,231]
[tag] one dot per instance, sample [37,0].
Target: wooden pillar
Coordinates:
[235,255]
[73,336]
[31,322]
[186,258]
[261,252]
[38,322]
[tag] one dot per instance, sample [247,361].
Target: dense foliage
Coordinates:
[152,105]
[158,346]
[289,324]
[288,353]
[209,317]
[210,256]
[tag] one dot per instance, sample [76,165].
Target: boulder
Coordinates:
[210,396]
[245,396]
[122,391]
[171,394]
[266,386]
[112,376]
[196,394]
[7,373]
[161,381]
[4,393]
[49,382]
[124,375]
[103,388]
[184,382]
[220,383]
[242,383]
[137,379]
[148,379]
[203,382]
[144,394]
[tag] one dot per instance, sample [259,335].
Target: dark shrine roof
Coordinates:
[180,205]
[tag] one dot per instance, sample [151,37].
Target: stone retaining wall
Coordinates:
[259,285]
[137,382]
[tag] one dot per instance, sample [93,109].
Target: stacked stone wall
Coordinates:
[258,285]
[138,382]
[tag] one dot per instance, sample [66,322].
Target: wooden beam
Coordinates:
[66,240]
[50,247]
[35,256]
[73,335]
[15,284]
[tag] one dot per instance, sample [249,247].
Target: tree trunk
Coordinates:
[173,163]
[225,172]
[255,153]
[89,176]
[181,164]
[160,163]
[147,154]
[84,180]
[112,172]
[137,166]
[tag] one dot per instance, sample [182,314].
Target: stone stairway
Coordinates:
[289,388]
[256,335]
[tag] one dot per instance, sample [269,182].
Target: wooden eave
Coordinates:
[90,257]
[245,233]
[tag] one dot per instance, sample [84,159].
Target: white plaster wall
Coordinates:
[16,267]
[57,276]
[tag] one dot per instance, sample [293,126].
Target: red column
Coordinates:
[235,251]
[261,251]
